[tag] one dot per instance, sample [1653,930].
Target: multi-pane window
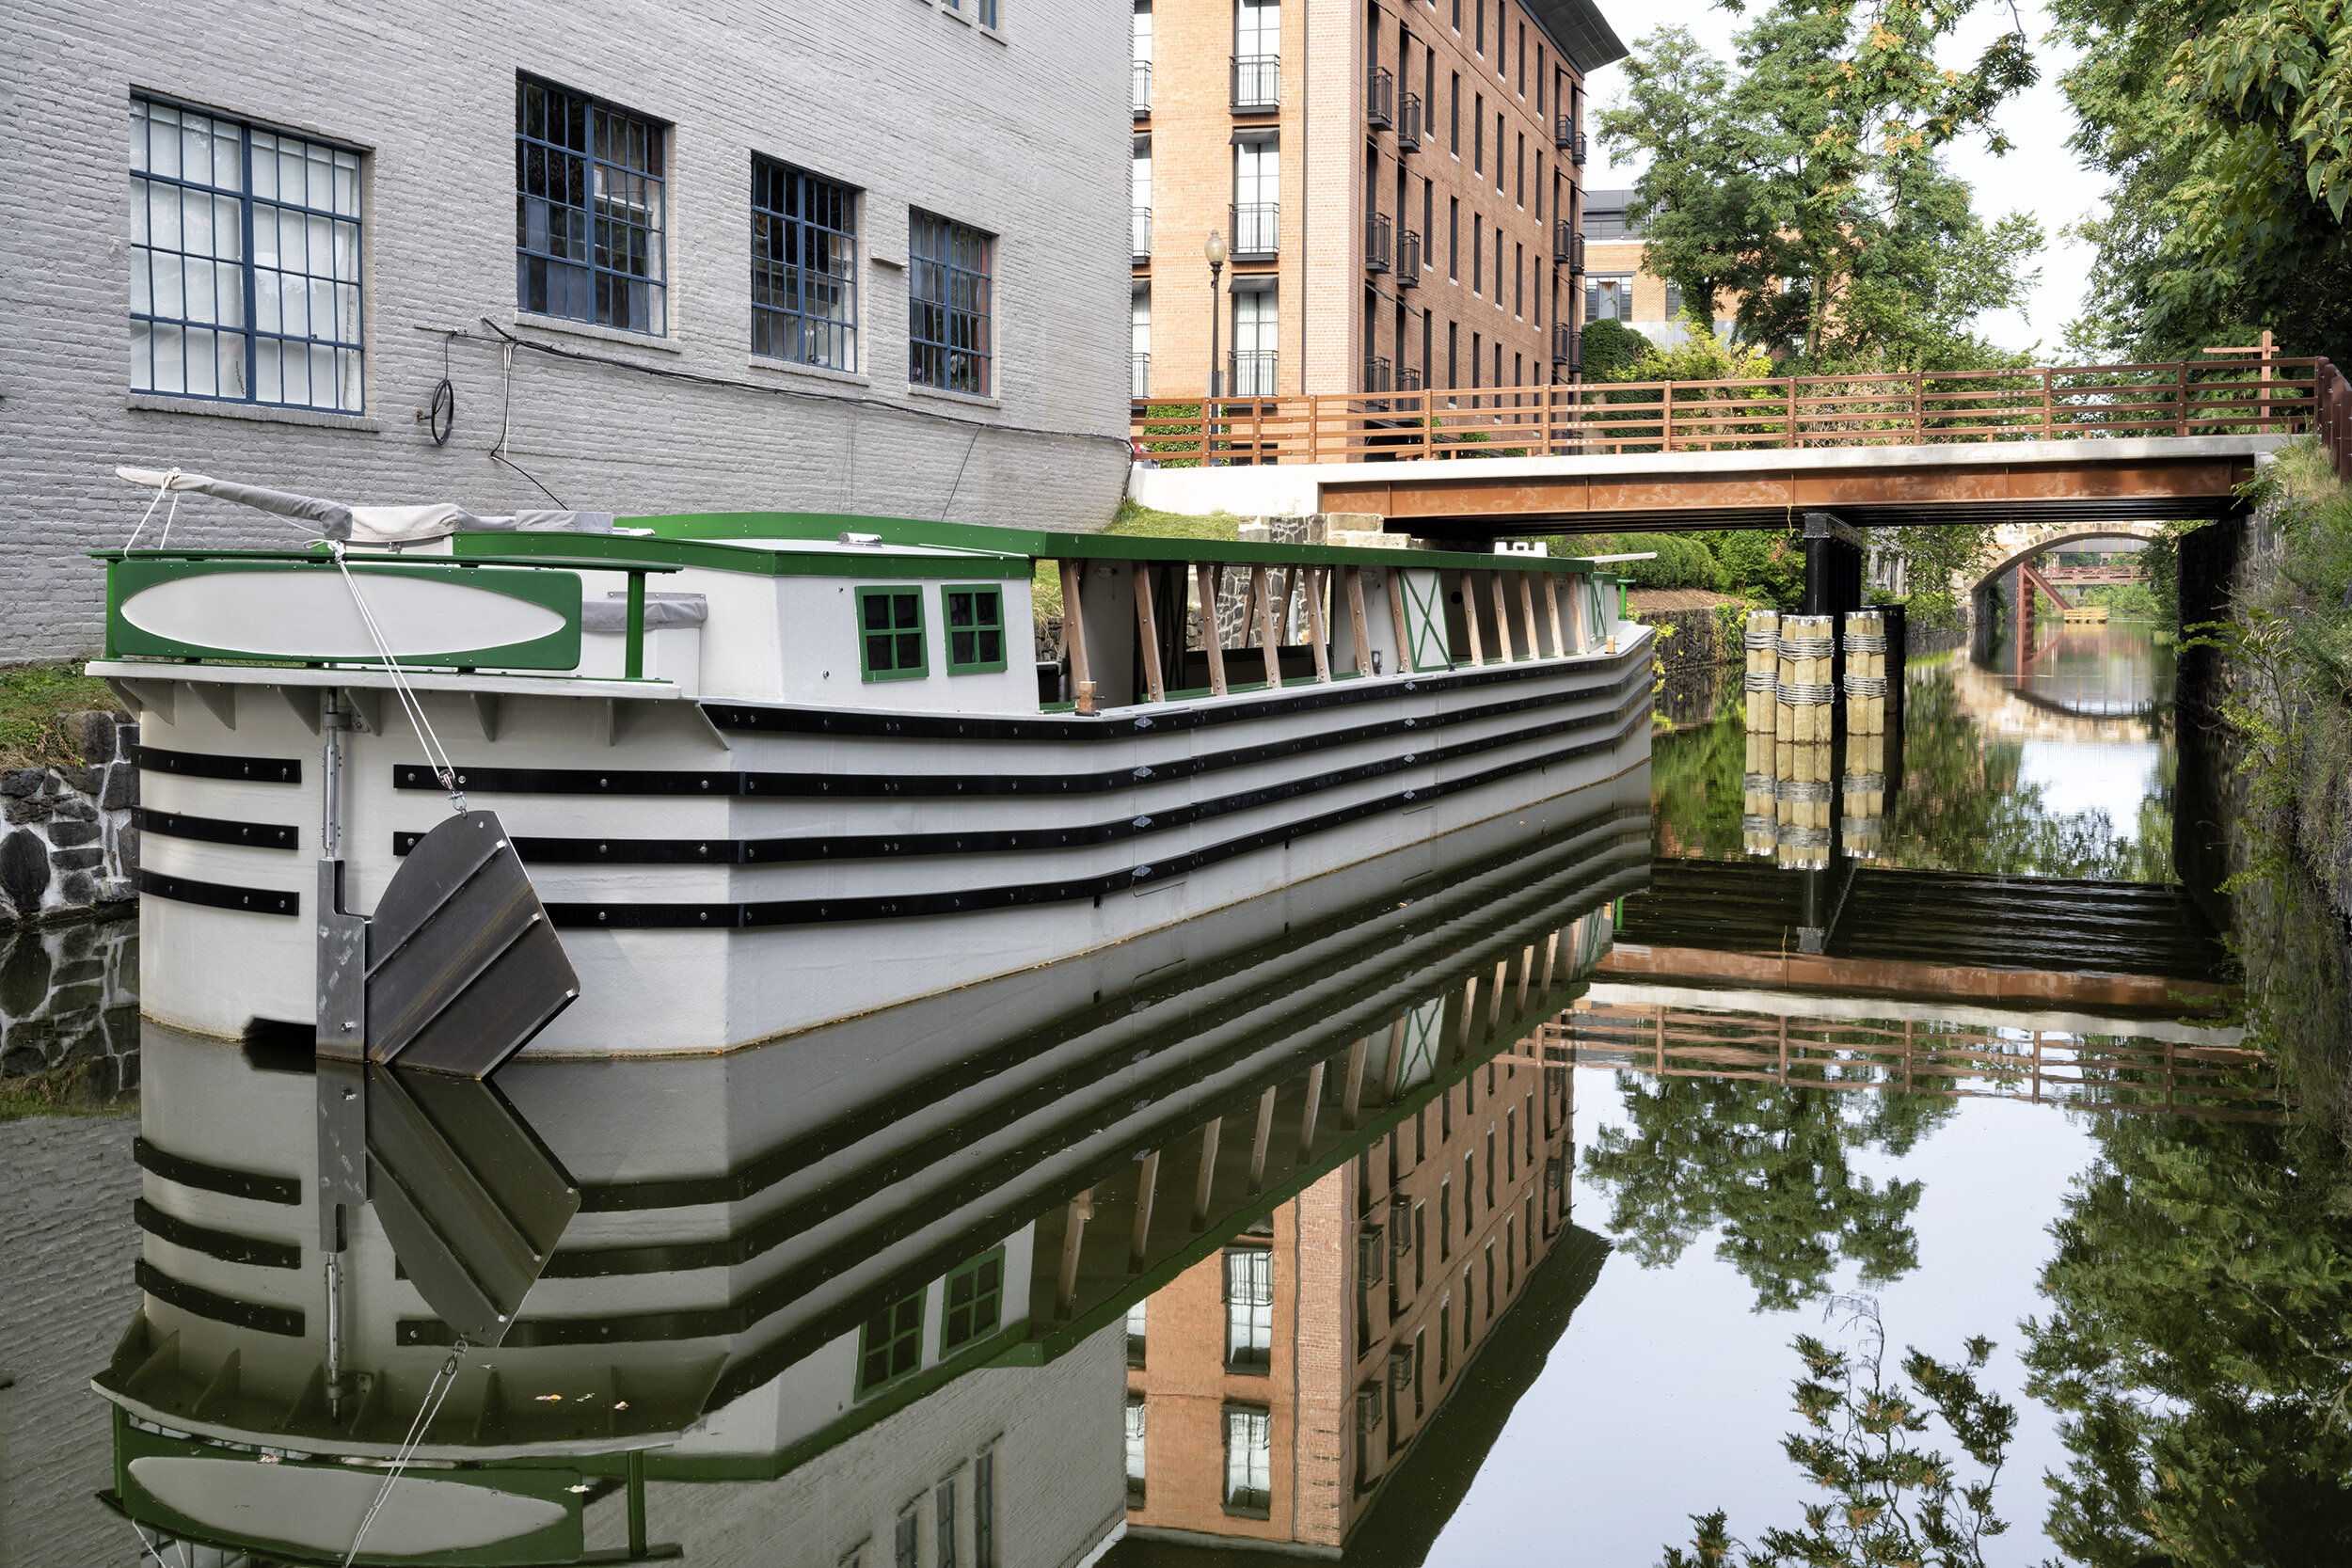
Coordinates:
[1257,199]
[1256,321]
[1609,298]
[891,645]
[908,1542]
[1139,342]
[1248,1459]
[948,315]
[891,1344]
[804,267]
[1248,1310]
[972,1302]
[1134,1450]
[1135,1335]
[944,1500]
[975,628]
[245,262]
[590,210]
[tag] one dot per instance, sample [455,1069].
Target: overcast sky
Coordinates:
[2040,176]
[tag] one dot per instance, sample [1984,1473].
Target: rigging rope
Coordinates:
[436,758]
[427,1407]
[160,491]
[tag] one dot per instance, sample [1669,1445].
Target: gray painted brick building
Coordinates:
[857,256]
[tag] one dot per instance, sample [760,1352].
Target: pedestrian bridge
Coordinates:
[2060,449]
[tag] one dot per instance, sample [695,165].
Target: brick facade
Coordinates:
[1337,1332]
[1481,194]
[1013,130]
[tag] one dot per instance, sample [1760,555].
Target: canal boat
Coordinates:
[769,770]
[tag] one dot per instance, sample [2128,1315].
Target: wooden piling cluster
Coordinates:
[1861,825]
[1804,723]
[1760,820]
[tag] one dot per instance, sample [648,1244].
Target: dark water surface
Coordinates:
[1473,1224]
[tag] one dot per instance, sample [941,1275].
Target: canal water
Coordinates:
[1719,1134]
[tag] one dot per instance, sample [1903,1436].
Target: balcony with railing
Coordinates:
[1567,245]
[1408,259]
[1409,379]
[1377,242]
[1408,124]
[1249,373]
[1381,99]
[1141,227]
[1375,373]
[1138,375]
[1567,348]
[1257,231]
[1141,88]
[1257,83]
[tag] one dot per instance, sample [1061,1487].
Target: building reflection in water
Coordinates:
[866,1295]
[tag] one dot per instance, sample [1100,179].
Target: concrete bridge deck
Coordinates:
[2036,484]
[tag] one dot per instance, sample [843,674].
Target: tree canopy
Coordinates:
[2227,128]
[1806,180]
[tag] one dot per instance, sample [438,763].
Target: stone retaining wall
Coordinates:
[69,1004]
[68,845]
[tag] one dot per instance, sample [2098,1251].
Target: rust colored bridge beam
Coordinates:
[1924,484]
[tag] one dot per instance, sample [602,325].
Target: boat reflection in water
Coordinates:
[875,1293]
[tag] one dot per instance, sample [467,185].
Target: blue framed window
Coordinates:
[245,262]
[804,267]
[590,210]
[948,315]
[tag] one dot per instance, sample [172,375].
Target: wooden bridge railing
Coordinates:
[2202,397]
[2215,1082]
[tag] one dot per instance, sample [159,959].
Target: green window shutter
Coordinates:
[891,641]
[976,627]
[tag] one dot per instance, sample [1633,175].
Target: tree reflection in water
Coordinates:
[1769,1163]
[1962,806]
[2199,1348]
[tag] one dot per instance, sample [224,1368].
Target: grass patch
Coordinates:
[80,1090]
[1132,521]
[31,697]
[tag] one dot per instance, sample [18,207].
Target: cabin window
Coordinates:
[891,645]
[890,1345]
[973,1302]
[976,627]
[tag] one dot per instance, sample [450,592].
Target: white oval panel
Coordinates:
[321,1509]
[311,615]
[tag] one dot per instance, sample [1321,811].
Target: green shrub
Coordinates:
[1612,349]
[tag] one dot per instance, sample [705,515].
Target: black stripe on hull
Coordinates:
[200,765]
[812,912]
[655,781]
[918,726]
[227,1246]
[287,1320]
[802,848]
[215,830]
[182,1171]
[219,895]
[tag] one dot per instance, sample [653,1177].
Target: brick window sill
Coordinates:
[263,413]
[590,329]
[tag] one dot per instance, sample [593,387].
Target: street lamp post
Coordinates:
[1214,251]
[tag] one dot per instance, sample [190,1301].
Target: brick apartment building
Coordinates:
[1397,180]
[1274,1389]
[831,257]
